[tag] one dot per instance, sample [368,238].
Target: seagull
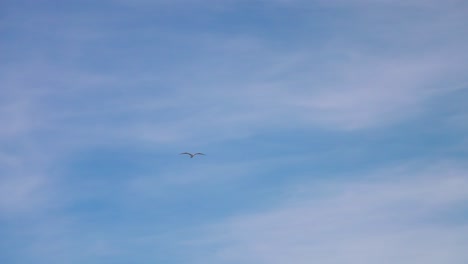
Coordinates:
[192,155]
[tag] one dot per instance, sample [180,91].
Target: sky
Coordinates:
[335,131]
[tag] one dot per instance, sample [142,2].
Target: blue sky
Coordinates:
[335,131]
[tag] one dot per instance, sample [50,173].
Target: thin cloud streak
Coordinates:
[399,217]
[351,87]
[98,100]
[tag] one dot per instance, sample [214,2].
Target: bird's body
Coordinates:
[192,155]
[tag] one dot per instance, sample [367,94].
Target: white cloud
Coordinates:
[238,85]
[20,193]
[365,91]
[26,186]
[342,83]
[396,216]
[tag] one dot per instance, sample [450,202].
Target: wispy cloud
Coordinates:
[26,186]
[96,102]
[400,215]
[237,85]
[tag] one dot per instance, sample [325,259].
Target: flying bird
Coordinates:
[192,155]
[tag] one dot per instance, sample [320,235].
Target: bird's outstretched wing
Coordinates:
[198,153]
[186,153]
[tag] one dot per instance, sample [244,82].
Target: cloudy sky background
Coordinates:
[335,131]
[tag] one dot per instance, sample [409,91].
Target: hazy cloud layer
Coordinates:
[309,112]
[397,215]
